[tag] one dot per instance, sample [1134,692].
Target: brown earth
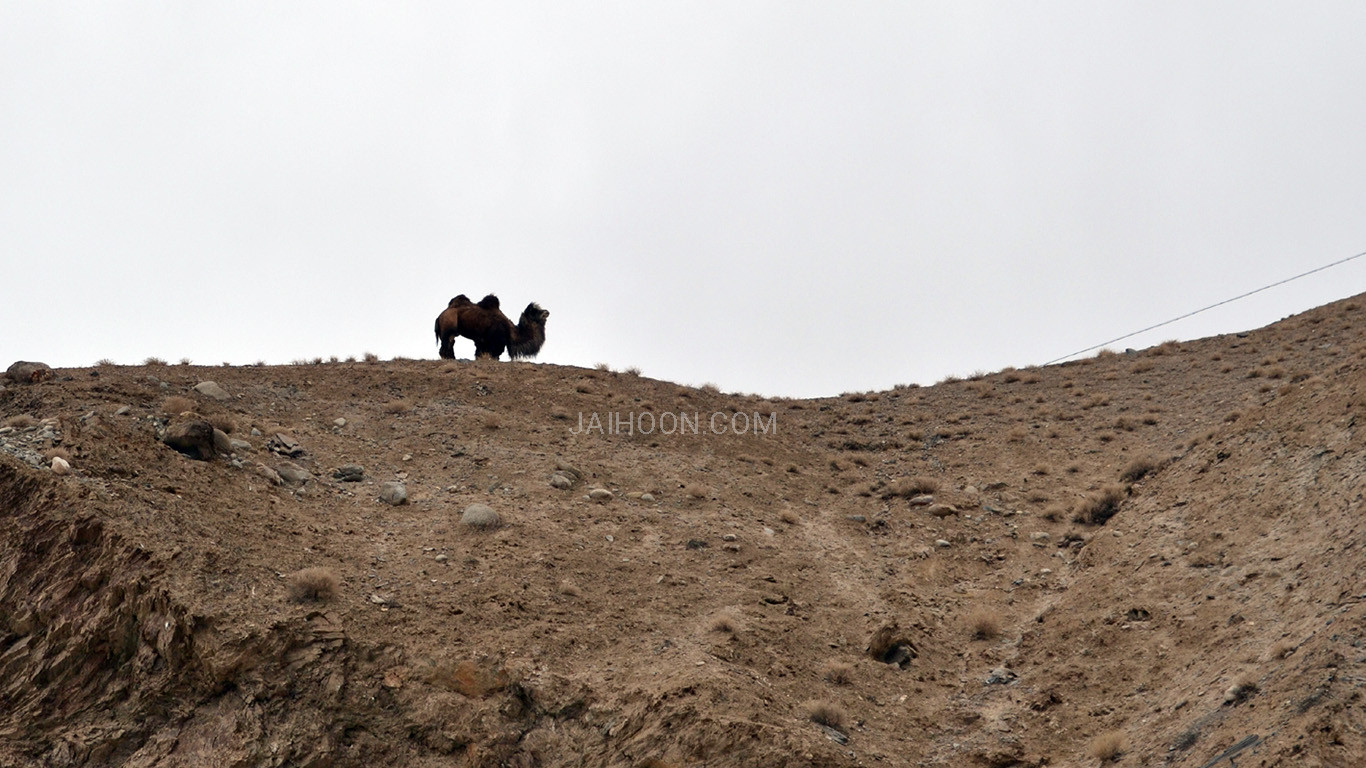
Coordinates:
[151,613]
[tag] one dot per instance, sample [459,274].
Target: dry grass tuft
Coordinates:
[633,371]
[493,421]
[604,367]
[223,422]
[1138,469]
[561,414]
[398,407]
[313,585]
[153,361]
[789,517]
[1108,746]
[826,713]
[696,491]
[838,673]
[908,487]
[1242,689]
[725,622]
[176,405]
[1281,649]
[984,624]
[22,421]
[371,357]
[1100,506]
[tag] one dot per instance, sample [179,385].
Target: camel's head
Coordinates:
[535,314]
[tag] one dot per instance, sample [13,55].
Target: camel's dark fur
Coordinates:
[490,329]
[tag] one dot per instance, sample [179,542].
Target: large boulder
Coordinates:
[192,437]
[24,372]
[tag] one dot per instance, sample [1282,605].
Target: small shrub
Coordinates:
[984,624]
[696,491]
[725,622]
[1099,507]
[1242,689]
[371,357]
[826,713]
[176,405]
[397,407]
[22,421]
[184,361]
[1281,649]
[633,371]
[1054,512]
[710,388]
[789,517]
[1108,746]
[313,585]
[223,423]
[908,487]
[153,361]
[604,367]
[838,673]
[493,421]
[1138,469]
[104,362]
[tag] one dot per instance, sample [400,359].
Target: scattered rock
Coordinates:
[600,495]
[29,373]
[890,646]
[212,390]
[350,473]
[858,518]
[60,466]
[1001,676]
[284,445]
[480,516]
[123,410]
[192,437]
[239,446]
[269,474]
[647,497]
[568,470]
[339,423]
[442,558]
[730,537]
[923,500]
[293,473]
[561,482]
[1039,536]
[393,492]
[942,510]
[221,442]
[942,543]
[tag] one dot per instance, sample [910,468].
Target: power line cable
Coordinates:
[1204,309]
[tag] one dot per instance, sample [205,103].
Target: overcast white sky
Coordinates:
[790,198]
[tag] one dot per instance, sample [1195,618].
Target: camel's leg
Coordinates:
[447,351]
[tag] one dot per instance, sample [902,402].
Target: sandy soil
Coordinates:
[780,597]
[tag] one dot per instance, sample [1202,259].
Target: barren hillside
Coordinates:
[1136,559]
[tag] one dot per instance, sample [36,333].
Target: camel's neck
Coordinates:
[526,340]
